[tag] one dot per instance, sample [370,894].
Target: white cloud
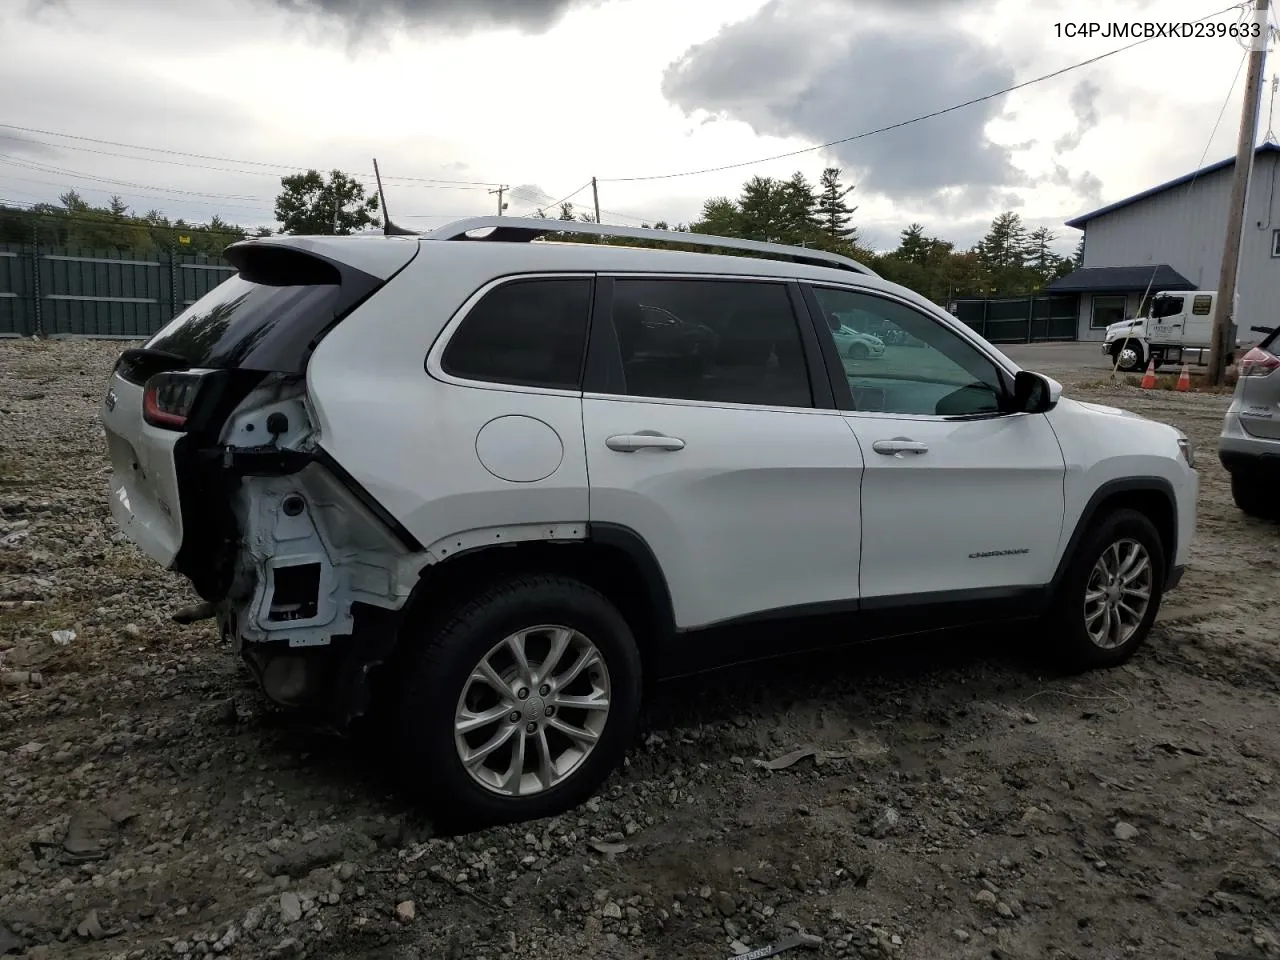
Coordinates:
[559,91]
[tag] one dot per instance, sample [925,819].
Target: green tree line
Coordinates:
[75,223]
[1010,260]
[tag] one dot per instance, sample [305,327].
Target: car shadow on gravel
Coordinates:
[958,662]
[785,699]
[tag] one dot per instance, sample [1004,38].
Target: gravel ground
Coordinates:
[915,801]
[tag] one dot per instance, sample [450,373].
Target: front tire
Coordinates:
[1111,593]
[520,705]
[1253,497]
[857,352]
[1128,357]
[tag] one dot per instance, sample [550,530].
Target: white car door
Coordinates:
[1197,322]
[703,437]
[959,499]
[1169,326]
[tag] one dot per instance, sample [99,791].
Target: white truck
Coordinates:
[1176,327]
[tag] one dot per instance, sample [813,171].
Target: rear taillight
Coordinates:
[168,398]
[1258,363]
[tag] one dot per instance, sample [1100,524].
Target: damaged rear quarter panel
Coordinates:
[360,561]
[292,512]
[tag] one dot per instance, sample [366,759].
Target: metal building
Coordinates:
[1175,231]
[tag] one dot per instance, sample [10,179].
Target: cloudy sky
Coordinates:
[204,105]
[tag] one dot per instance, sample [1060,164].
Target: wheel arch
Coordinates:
[1151,496]
[1136,343]
[612,559]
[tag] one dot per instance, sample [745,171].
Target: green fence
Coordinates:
[51,291]
[1021,319]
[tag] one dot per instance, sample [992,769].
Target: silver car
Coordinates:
[1249,446]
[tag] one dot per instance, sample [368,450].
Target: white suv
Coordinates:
[492,484]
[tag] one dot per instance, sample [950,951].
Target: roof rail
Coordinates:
[517,229]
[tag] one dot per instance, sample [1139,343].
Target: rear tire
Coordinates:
[468,670]
[1100,616]
[1253,497]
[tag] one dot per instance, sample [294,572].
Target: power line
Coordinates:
[1146,294]
[79,175]
[566,199]
[904,123]
[528,198]
[1217,123]
[1270,135]
[269,169]
[27,209]
[263,207]
[475,184]
[263,210]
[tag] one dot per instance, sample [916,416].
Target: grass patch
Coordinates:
[1169,382]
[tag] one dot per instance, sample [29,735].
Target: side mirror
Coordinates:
[1034,393]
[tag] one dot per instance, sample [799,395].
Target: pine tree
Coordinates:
[913,245]
[834,213]
[798,212]
[720,218]
[1040,255]
[760,209]
[1005,245]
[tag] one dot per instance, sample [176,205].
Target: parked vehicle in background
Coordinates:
[494,485]
[1249,447]
[1176,327]
[857,346]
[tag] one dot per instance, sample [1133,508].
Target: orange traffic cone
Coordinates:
[1149,378]
[1184,380]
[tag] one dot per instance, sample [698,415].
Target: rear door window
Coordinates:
[717,341]
[530,332]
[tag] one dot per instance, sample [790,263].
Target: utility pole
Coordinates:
[595,196]
[1224,324]
[502,188]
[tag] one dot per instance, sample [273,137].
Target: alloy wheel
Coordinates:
[532,710]
[1117,594]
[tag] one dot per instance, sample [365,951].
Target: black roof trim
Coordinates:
[1156,277]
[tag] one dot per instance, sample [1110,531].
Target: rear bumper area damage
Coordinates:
[304,574]
[317,584]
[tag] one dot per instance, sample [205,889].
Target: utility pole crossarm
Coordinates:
[1224,325]
[502,188]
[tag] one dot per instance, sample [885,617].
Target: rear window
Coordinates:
[223,326]
[526,333]
[268,316]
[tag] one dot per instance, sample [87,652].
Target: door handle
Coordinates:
[631,442]
[898,446]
